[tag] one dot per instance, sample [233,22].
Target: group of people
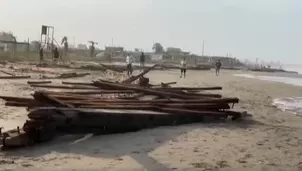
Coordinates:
[130,60]
[183,68]
[55,53]
[183,65]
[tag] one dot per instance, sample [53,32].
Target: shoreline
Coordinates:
[273,70]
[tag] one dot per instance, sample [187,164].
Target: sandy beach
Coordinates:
[271,139]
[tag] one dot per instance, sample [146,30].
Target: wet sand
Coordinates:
[272,139]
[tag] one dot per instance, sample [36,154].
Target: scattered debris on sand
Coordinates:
[67,75]
[12,75]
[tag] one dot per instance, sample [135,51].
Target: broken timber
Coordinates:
[8,73]
[133,78]
[38,82]
[107,107]
[14,77]
[106,85]
[65,87]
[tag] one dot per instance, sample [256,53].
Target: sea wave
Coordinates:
[292,104]
[289,104]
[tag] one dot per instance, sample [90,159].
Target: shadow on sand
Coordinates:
[136,144]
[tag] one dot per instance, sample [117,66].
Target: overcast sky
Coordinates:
[265,29]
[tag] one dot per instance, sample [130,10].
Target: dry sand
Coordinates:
[272,139]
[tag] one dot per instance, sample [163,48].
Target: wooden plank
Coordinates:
[169,101]
[14,77]
[73,75]
[92,92]
[189,88]
[65,87]
[133,78]
[143,90]
[77,83]
[8,73]
[38,82]
[43,97]
[23,104]
[17,99]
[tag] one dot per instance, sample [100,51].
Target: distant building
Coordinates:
[156,57]
[173,50]
[5,41]
[7,37]
[114,51]
[82,47]
[8,42]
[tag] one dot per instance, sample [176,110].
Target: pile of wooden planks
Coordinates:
[104,107]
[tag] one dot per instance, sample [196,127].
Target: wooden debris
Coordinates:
[133,78]
[190,88]
[91,92]
[8,73]
[65,87]
[72,75]
[16,99]
[166,85]
[14,77]
[77,83]
[38,82]
[106,107]
[106,85]
[67,75]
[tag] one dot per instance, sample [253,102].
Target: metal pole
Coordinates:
[47,36]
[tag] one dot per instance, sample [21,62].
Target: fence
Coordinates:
[25,51]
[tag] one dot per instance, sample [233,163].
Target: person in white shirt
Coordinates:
[129,61]
[183,68]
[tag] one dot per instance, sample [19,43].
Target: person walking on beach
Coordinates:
[142,60]
[183,68]
[41,54]
[217,67]
[56,54]
[129,61]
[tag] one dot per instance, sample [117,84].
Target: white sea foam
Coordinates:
[290,104]
[293,104]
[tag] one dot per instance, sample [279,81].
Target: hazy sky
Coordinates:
[265,29]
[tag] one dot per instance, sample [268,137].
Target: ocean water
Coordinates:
[290,104]
[294,79]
